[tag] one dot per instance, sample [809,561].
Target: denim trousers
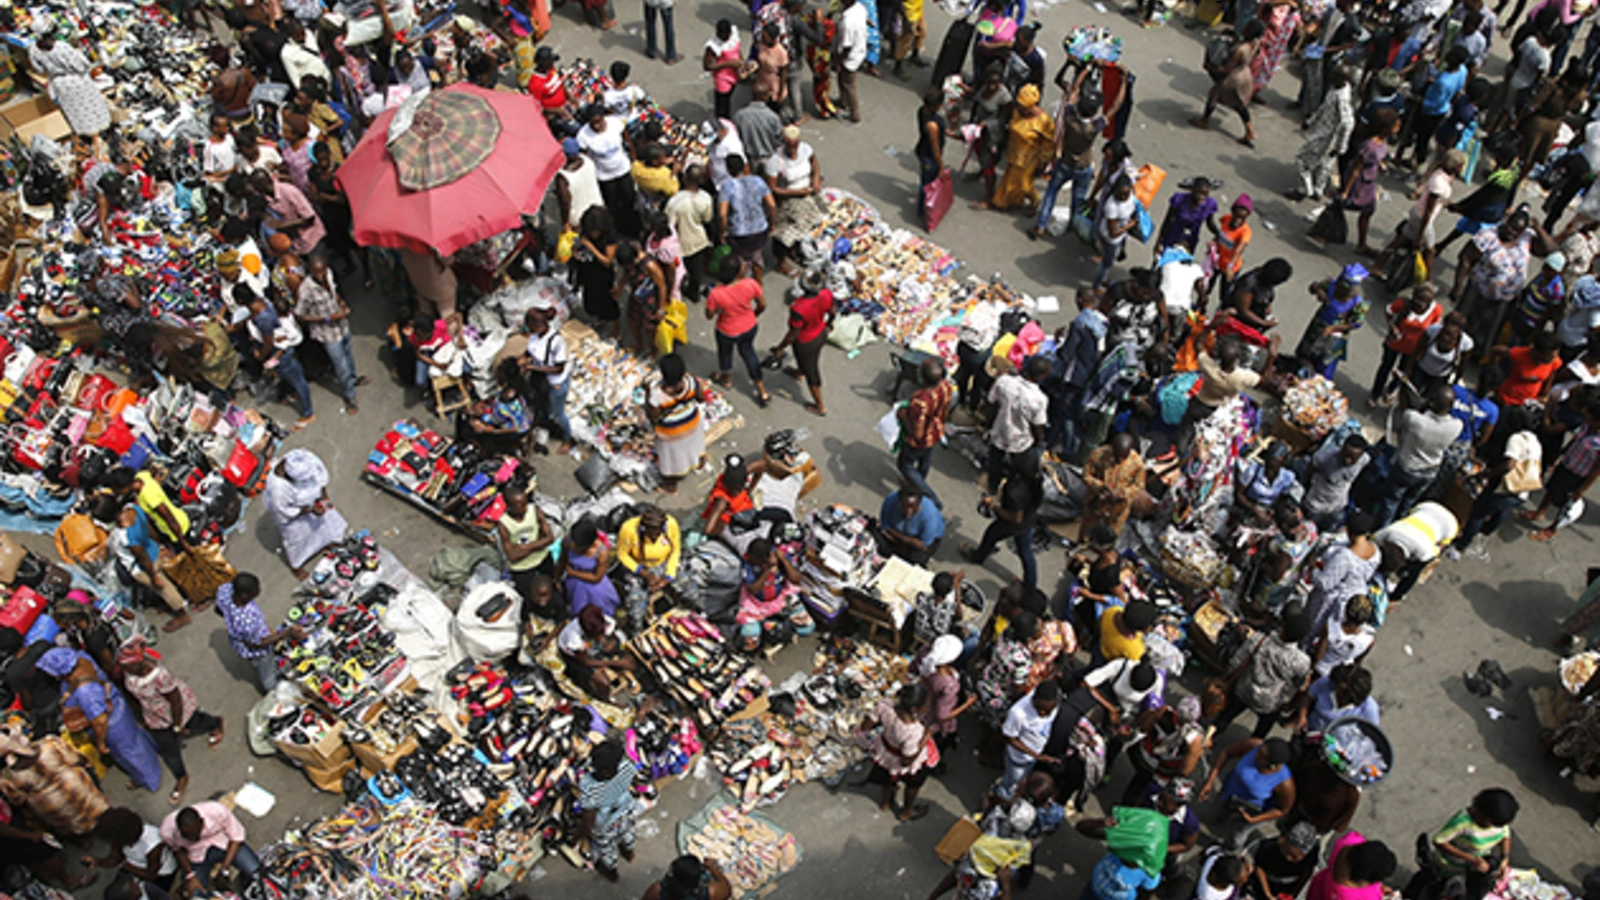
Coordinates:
[670,33]
[1060,174]
[913,463]
[294,375]
[343,357]
[557,409]
[245,861]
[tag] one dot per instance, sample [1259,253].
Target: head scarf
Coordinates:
[946,649]
[1189,710]
[14,745]
[791,132]
[307,477]
[1028,96]
[228,265]
[134,652]
[1243,201]
[1022,817]
[58,662]
[1556,260]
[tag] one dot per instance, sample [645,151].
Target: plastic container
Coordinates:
[1357,751]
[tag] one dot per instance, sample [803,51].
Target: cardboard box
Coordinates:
[329,778]
[331,750]
[958,840]
[35,115]
[375,760]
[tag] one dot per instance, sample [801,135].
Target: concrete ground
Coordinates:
[1447,745]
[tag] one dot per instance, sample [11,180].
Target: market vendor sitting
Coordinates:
[1261,483]
[591,652]
[649,546]
[731,498]
[769,598]
[908,526]
[586,562]
[525,538]
[503,423]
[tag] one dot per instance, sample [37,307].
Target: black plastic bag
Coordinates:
[1331,226]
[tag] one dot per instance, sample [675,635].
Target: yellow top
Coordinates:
[151,497]
[657,180]
[1112,642]
[663,552]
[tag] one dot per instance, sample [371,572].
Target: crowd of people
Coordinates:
[1493,397]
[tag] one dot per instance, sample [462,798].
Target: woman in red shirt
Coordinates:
[1530,369]
[737,306]
[810,320]
[1409,321]
[729,496]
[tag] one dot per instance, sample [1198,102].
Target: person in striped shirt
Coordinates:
[1475,844]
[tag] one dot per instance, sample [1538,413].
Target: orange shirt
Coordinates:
[1230,243]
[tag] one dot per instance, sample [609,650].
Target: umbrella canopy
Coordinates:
[482,158]
[451,134]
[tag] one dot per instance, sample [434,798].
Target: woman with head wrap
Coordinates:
[297,497]
[1029,140]
[1343,309]
[795,177]
[116,731]
[168,707]
[943,684]
[51,780]
[71,86]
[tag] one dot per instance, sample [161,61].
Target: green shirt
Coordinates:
[1464,834]
[522,532]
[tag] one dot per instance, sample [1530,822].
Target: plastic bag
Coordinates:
[1331,226]
[1139,838]
[888,427]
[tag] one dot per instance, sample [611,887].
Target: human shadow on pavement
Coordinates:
[1530,611]
[853,465]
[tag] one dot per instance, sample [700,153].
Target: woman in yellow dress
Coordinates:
[1029,140]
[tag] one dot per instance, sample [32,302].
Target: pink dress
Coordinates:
[1281,21]
[1323,887]
[898,739]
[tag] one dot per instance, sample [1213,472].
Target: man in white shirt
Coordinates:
[1026,729]
[850,54]
[298,59]
[547,356]
[1021,413]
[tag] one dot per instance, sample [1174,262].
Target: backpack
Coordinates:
[1218,49]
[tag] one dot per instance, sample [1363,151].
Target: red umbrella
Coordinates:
[508,165]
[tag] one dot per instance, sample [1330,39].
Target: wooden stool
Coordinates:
[441,390]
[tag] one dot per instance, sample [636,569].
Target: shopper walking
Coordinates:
[327,320]
[605,793]
[736,307]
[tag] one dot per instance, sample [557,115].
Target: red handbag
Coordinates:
[22,610]
[117,437]
[936,200]
[242,465]
[95,389]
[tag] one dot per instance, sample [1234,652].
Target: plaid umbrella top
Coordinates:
[451,134]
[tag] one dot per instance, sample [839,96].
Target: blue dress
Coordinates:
[132,748]
[581,593]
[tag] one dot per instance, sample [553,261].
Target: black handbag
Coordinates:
[1331,226]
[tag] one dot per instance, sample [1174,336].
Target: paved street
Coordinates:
[1447,745]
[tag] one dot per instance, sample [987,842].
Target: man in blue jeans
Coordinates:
[922,426]
[1077,127]
[327,321]
[203,837]
[276,351]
